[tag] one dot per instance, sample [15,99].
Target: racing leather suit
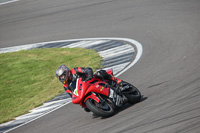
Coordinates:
[86,73]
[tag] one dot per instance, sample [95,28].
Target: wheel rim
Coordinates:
[106,107]
[135,92]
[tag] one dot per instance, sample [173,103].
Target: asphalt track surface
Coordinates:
[167,74]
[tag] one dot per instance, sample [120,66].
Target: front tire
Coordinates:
[105,109]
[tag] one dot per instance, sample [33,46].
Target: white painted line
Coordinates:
[28,46]
[38,117]
[78,44]
[138,56]
[21,47]
[94,43]
[53,102]
[27,116]
[84,44]
[116,51]
[3,3]
[6,124]
[43,109]
[117,67]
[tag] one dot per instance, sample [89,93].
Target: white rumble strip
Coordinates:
[117,53]
[7,2]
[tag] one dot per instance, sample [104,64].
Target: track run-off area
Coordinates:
[167,74]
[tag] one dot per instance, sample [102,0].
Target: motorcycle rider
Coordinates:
[67,76]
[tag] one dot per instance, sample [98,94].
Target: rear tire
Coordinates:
[132,94]
[102,109]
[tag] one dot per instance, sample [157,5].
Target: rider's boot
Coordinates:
[103,74]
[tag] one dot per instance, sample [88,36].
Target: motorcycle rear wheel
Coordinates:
[132,94]
[105,109]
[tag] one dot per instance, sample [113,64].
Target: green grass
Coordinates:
[28,78]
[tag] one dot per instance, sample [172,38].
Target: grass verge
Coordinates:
[28,77]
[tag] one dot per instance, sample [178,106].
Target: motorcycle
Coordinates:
[103,97]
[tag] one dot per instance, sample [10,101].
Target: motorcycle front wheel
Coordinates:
[104,109]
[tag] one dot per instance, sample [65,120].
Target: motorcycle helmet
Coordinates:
[63,73]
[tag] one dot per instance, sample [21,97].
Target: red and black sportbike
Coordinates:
[103,97]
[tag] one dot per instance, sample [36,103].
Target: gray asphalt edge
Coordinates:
[117,53]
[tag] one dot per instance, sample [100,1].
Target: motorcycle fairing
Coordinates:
[73,86]
[99,87]
[92,96]
[79,91]
[83,88]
